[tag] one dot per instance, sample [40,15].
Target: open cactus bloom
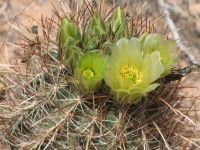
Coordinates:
[130,73]
[89,71]
[155,42]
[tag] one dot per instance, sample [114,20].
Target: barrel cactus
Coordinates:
[98,83]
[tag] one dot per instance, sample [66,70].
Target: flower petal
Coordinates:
[157,67]
[156,42]
[94,64]
[130,74]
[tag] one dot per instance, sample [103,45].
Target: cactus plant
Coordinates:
[96,86]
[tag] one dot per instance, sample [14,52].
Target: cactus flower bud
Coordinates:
[156,42]
[68,33]
[97,25]
[70,56]
[130,74]
[118,20]
[122,33]
[89,71]
[89,42]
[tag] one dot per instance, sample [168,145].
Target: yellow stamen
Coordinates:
[127,72]
[88,73]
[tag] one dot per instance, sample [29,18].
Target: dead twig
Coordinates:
[176,35]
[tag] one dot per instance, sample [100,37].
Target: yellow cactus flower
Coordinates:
[156,42]
[130,74]
[89,71]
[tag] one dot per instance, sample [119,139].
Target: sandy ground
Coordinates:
[21,14]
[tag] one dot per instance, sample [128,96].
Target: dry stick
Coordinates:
[173,28]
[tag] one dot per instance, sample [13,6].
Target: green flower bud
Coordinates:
[97,25]
[89,71]
[106,47]
[130,74]
[156,42]
[123,33]
[68,33]
[118,20]
[70,56]
[89,42]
